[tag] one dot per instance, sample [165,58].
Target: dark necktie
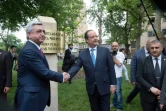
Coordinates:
[157,71]
[93,56]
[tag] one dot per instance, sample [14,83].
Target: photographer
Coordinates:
[118,58]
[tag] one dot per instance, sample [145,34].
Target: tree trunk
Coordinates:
[100,27]
[138,37]
[157,23]
[127,49]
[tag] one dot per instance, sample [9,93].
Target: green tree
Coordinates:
[9,40]
[17,13]
[96,14]
[126,20]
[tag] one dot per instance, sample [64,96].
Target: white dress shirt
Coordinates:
[95,51]
[159,61]
[146,52]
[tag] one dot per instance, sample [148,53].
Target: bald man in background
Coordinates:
[118,59]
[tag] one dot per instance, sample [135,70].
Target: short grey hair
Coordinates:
[30,26]
[156,41]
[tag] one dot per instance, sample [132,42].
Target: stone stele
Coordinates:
[49,23]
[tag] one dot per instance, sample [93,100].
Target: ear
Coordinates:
[86,40]
[28,34]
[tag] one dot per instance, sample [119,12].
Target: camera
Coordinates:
[114,53]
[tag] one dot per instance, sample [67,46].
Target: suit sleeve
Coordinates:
[163,91]
[133,68]
[140,75]
[36,65]
[111,69]
[76,67]
[8,70]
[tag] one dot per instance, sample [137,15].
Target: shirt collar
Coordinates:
[34,44]
[159,57]
[146,50]
[70,50]
[92,48]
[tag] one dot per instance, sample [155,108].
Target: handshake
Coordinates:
[66,76]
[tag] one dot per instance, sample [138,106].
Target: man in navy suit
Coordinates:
[33,90]
[99,71]
[150,74]
[140,53]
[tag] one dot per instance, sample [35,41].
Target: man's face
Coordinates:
[156,49]
[37,34]
[115,46]
[13,49]
[92,40]
[71,46]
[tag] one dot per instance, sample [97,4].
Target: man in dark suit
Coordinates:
[99,71]
[150,76]
[162,100]
[140,53]
[5,77]
[12,53]
[69,60]
[33,91]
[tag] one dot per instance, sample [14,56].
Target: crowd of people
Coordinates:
[103,73]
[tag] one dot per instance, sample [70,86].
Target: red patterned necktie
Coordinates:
[41,51]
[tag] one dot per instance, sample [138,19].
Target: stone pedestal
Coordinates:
[49,23]
[52,60]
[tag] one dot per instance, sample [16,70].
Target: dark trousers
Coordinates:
[133,93]
[146,106]
[4,106]
[99,102]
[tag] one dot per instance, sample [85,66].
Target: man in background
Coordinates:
[118,58]
[68,60]
[140,53]
[5,77]
[12,54]
[150,74]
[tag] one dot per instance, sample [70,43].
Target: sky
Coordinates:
[22,35]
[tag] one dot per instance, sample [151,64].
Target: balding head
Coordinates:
[115,46]
[115,43]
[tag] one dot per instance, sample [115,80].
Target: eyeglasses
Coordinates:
[93,36]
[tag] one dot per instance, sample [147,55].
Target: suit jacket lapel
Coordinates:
[42,56]
[151,65]
[163,60]
[89,56]
[98,55]
[45,60]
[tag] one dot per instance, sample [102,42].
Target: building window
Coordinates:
[133,44]
[151,34]
[164,31]
[164,19]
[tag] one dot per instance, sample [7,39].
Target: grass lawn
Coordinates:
[73,97]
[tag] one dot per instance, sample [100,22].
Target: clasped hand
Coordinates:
[66,76]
